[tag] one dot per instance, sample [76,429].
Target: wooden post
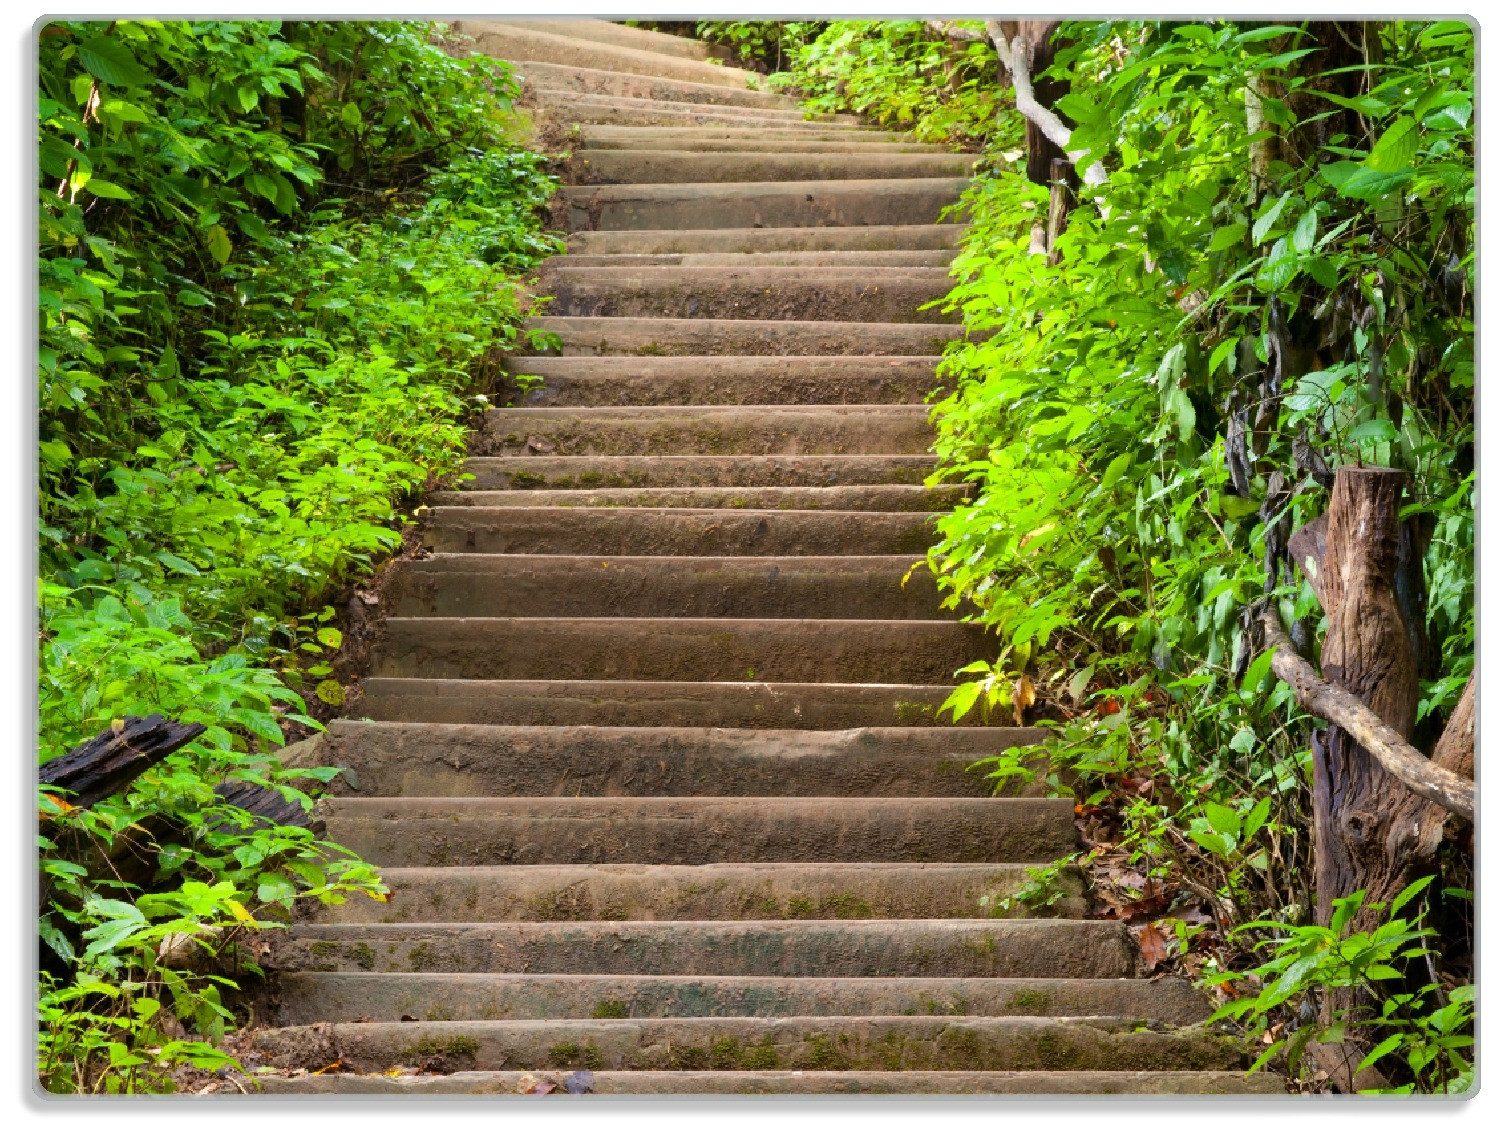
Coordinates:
[1060,203]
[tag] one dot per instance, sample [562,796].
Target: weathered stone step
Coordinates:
[768,239]
[723,705]
[342,996]
[795,1083]
[646,165]
[663,430]
[897,295]
[412,757]
[829,202]
[874,497]
[674,530]
[1022,949]
[472,831]
[868,587]
[611,34]
[590,80]
[544,472]
[605,109]
[680,650]
[624,335]
[726,379]
[951,1043]
[694,138]
[521,44]
[721,891]
[790,259]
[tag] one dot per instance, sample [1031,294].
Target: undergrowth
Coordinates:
[277,267]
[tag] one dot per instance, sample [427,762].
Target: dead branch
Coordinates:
[1015,56]
[1400,760]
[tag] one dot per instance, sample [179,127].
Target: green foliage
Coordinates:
[1429,1030]
[261,330]
[1100,403]
[767,44]
[901,75]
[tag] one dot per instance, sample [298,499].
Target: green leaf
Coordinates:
[110,60]
[1117,468]
[106,190]
[350,115]
[219,244]
[1305,236]
[1262,228]
[1222,819]
[1227,236]
[249,97]
[331,637]
[1396,148]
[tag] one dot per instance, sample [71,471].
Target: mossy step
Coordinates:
[766,239]
[341,996]
[780,259]
[714,891]
[541,472]
[765,430]
[881,587]
[870,497]
[668,649]
[709,137]
[793,292]
[474,831]
[796,1043]
[821,949]
[414,753]
[674,530]
[789,706]
[653,335]
[828,202]
[726,380]
[1052,1084]
[593,80]
[651,165]
[604,109]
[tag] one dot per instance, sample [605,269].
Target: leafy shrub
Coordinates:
[261,331]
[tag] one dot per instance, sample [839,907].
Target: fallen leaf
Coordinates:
[1153,946]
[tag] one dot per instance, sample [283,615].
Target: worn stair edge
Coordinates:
[516,42]
[681,649]
[879,587]
[839,202]
[613,34]
[624,165]
[1082,949]
[533,472]
[790,259]
[769,239]
[906,1083]
[694,830]
[410,753]
[434,996]
[878,498]
[662,336]
[953,1043]
[714,891]
[593,81]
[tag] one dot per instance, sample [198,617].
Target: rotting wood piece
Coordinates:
[111,761]
[1433,782]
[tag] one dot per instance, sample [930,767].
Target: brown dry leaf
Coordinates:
[1023,697]
[1153,946]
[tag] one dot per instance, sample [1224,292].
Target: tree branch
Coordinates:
[1429,780]
[1015,56]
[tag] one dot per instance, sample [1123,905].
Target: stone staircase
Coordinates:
[651,756]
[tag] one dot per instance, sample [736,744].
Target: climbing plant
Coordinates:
[276,261]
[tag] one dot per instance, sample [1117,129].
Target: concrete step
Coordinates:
[341,996]
[412,757]
[800,1083]
[894,295]
[870,587]
[791,259]
[1021,949]
[721,891]
[546,472]
[473,831]
[612,34]
[947,1043]
[768,239]
[829,202]
[663,649]
[646,165]
[710,138]
[644,531]
[658,336]
[604,109]
[520,44]
[726,379]
[784,430]
[721,705]
[874,497]
[591,80]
